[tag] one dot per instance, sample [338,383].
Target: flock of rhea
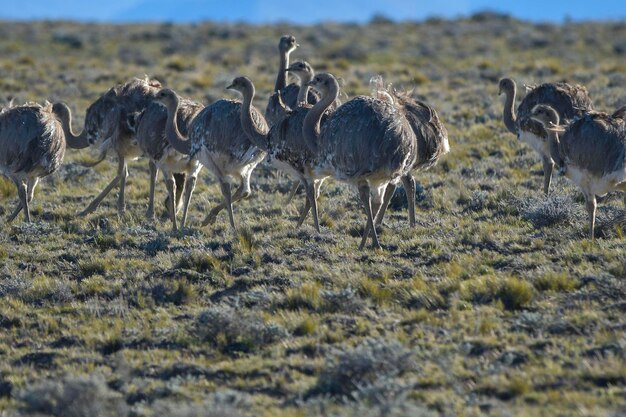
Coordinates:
[373,142]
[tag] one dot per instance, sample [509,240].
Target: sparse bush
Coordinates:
[546,212]
[178,292]
[369,364]
[74,397]
[13,286]
[156,245]
[226,403]
[345,300]
[306,327]
[92,267]
[199,261]
[44,288]
[233,331]
[553,281]
[305,296]
[514,293]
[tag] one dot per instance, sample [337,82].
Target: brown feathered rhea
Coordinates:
[592,151]
[218,140]
[285,96]
[32,146]
[110,124]
[153,142]
[366,142]
[569,101]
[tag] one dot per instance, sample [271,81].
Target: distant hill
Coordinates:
[189,11]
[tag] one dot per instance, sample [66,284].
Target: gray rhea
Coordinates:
[432,143]
[217,139]
[110,125]
[179,171]
[591,151]
[570,102]
[32,146]
[287,149]
[366,142]
[285,95]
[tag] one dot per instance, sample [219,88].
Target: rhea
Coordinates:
[218,140]
[179,171]
[287,148]
[110,124]
[366,142]
[569,101]
[32,146]
[431,136]
[591,152]
[285,95]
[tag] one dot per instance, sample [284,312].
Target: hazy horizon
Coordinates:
[265,11]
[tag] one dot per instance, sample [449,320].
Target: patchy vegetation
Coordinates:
[495,304]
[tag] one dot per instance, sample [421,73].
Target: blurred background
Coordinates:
[271,11]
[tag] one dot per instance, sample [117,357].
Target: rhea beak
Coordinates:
[297,45]
[556,128]
[230,87]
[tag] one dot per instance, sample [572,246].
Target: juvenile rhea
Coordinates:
[32,145]
[591,151]
[569,101]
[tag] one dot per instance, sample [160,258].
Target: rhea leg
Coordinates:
[294,190]
[590,201]
[364,193]
[32,184]
[242,192]
[154,171]
[22,192]
[190,185]
[170,184]
[311,194]
[378,204]
[389,190]
[96,202]
[408,182]
[305,210]
[179,179]
[548,166]
[122,174]
[226,192]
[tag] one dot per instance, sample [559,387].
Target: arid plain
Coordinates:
[495,304]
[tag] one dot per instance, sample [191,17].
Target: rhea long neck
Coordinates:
[509,110]
[71,139]
[173,135]
[303,93]
[311,126]
[281,78]
[256,132]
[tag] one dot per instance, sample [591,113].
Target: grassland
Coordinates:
[496,304]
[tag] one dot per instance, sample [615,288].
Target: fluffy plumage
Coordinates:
[152,140]
[569,101]
[32,145]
